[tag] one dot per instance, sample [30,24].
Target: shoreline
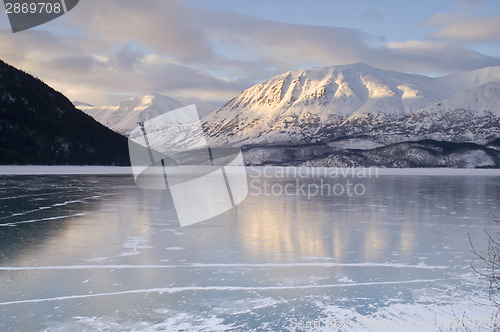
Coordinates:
[269,170]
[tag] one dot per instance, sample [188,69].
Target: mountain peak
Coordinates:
[140,103]
[124,116]
[338,90]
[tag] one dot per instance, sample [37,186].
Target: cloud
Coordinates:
[167,27]
[28,48]
[293,45]
[436,57]
[148,74]
[126,57]
[462,28]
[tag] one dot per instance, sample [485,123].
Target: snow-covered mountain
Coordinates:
[123,118]
[325,104]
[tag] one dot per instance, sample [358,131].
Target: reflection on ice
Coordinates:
[107,254]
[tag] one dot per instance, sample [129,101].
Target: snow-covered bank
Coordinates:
[47,170]
[264,170]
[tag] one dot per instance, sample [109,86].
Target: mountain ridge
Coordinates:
[40,126]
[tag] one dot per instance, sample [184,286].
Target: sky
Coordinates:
[206,52]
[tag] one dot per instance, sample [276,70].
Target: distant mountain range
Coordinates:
[40,126]
[357,115]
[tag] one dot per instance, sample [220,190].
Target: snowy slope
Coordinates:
[482,99]
[123,117]
[469,80]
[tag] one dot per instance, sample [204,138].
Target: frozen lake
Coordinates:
[96,252]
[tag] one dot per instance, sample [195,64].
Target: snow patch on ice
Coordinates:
[345,280]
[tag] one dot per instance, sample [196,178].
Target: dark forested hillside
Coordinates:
[40,126]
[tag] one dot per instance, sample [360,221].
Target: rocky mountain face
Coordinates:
[39,126]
